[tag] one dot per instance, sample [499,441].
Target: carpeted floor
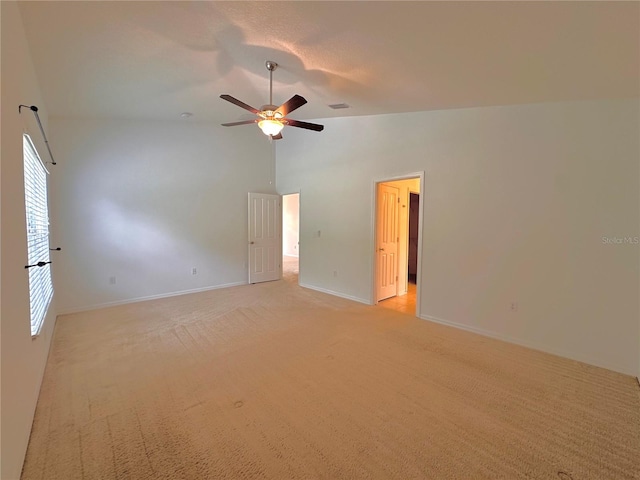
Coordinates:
[273,381]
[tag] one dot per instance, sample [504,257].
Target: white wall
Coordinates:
[145,202]
[23,358]
[517,202]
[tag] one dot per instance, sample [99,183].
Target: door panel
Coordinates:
[387,241]
[265,238]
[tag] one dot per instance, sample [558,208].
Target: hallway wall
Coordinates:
[290,224]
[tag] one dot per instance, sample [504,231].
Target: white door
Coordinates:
[387,242]
[265,237]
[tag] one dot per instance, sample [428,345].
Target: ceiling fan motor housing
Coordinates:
[269,111]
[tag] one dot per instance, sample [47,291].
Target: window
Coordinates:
[35,199]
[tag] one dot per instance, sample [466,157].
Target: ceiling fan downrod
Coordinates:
[271,66]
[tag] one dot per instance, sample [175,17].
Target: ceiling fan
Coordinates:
[271,119]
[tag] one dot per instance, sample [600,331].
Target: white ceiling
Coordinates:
[156,59]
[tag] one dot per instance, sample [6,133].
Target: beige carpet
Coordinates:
[273,381]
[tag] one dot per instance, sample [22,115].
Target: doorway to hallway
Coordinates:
[397,243]
[291,237]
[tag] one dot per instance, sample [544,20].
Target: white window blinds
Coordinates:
[35,194]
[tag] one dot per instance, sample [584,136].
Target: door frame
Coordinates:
[374,221]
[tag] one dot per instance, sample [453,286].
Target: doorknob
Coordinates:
[251,243]
[381,249]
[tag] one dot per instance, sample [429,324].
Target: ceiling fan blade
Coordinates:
[244,122]
[290,105]
[276,137]
[237,102]
[307,125]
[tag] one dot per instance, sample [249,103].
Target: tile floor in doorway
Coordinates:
[402,303]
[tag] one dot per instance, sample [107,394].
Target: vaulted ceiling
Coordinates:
[156,59]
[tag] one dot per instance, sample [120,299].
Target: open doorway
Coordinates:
[397,243]
[412,255]
[291,237]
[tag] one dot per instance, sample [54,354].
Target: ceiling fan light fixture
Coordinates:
[270,126]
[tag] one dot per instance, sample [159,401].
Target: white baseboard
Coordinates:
[532,345]
[144,299]
[336,294]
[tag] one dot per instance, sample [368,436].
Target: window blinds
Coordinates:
[35,193]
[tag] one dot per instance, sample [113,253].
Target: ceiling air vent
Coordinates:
[338,106]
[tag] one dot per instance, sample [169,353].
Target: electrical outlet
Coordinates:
[194,271]
[335,273]
[514,306]
[112,280]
